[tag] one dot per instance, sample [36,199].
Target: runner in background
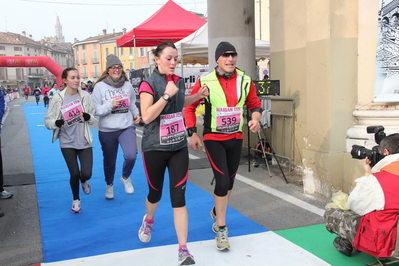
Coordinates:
[26,91]
[45,92]
[36,93]
[54,90]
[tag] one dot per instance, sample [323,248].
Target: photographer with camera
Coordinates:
[371,223]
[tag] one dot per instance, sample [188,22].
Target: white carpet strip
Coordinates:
[258,249]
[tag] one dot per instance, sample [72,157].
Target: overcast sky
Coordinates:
[81,18]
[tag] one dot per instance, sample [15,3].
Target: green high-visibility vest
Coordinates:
[219,118]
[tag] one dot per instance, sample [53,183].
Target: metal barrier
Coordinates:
[275,114]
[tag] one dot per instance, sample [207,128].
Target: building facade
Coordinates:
[88,57]
[13,44]
[91,55]
[324,54]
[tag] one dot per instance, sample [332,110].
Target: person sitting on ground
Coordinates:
[371,223]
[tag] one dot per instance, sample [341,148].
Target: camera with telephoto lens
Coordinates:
[360,152]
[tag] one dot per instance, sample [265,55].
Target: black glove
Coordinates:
[59,122]
[86,116]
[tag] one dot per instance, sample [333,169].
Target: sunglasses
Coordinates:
[228,54]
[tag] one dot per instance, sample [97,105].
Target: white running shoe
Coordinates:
[5,195]
[185,258]
[145,231]
[215,220]
[75,206]
[109,192]
[222,240]
[86,187]
[128,185]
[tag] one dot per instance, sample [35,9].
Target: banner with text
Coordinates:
[386,87]
[190,76]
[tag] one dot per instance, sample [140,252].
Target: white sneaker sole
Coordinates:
[129,190]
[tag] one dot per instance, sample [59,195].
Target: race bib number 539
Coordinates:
[228,119]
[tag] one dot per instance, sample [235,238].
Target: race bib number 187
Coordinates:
[172,128]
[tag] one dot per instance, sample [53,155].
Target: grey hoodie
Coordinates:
[109,120]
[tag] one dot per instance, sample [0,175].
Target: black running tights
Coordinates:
[86,165]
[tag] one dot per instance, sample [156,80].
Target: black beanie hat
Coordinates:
[222,48]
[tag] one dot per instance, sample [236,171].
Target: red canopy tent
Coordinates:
[170,23]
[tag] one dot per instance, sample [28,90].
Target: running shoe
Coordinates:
[185,258]
[86,187]
[145,231]
[75,206]
[5,195]
[109,192]
[215,221]
[222,241]
[128,185]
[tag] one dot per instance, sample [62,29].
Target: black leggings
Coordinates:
[224,157]
[155,163]
[86,163]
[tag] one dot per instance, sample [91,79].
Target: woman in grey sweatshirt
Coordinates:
[115,103]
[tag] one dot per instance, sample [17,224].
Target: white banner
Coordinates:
[386,87]
[191,75]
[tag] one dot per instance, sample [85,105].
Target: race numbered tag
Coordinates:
[228,119]
[71,112]
[123,106]
[172,129]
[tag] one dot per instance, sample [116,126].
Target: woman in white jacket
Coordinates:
[70,113]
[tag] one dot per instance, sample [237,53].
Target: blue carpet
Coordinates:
[106,226]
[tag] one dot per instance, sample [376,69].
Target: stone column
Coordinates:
[315,55]
[233,21]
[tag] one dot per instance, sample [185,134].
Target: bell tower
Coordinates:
[58,31]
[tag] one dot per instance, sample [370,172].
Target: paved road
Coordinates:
[270,202]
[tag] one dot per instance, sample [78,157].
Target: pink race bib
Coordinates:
[71,112]
[228,119]
[123,106]
[171,129]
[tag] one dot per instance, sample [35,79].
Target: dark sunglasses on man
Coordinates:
[229,54]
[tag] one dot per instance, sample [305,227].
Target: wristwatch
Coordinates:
[166,97]
[191,131]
